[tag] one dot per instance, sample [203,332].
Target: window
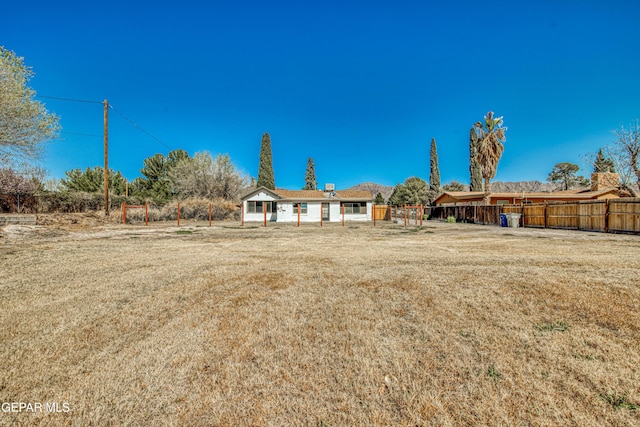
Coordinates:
[303,208]
[355,208]
[257,207]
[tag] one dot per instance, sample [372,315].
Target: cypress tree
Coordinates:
[265,170]
[310,182]
[475,171]
[602,164]
[434,177]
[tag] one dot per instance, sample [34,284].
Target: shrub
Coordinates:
[78,201]
[193,209]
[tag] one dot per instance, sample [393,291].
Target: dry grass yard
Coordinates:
[447,325]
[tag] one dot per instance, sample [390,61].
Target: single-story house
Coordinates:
[283,205]
[461,197]
[603,186]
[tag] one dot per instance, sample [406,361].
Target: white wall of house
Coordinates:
[365,216]
[334,212]
[259,216]
[284,211]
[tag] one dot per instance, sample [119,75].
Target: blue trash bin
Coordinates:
[503,220]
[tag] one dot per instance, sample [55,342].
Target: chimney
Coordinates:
[604,180]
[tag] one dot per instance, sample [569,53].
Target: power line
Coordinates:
[114,109]
[82,134]
[141,128]
[69,99]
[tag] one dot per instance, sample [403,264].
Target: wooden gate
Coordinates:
[624,215]
[381,212]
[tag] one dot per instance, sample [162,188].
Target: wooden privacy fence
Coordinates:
[624,216]
[609,215]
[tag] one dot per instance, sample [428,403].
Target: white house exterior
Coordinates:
[283,205]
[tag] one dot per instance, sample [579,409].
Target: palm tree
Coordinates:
[491,136]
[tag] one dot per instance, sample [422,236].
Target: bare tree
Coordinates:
[625,154]
[25,124]
[13,182]
[202,176]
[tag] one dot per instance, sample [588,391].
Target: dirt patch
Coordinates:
[454,324]
[79,220]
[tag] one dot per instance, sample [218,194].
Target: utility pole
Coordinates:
[106,157]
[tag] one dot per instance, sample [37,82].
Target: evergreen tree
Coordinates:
[564,176]
[397,196]
[475,171]
[310,182]
[417,191]
[379,200]
[265,170]
[603,164]
[413,192]
[155,181]
[434,177]
[453,186]
[92,180]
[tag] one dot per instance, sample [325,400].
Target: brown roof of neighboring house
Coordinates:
[568,194]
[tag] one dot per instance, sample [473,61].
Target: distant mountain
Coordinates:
[496,187]
[520,186]
[374,189]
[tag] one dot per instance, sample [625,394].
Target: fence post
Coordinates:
[146,214]
[546,214]
[421,215]
[342,209]
[606,215]
[264,212]
[242,214]
[178,214]
[124,212]
[373,211]
[299,209]
[321,214]
[405,215]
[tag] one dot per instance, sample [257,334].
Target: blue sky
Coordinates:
[361,87]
